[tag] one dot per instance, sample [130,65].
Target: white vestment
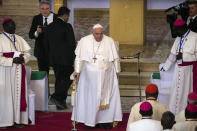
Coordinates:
[185,126]
[181,116]
[183,75]
[145,125]
[158,110]
[10,82]
[98,97]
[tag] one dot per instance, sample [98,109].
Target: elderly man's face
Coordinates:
[45,10]
[98,34]
[192,10]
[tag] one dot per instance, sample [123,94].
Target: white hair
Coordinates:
[97,26]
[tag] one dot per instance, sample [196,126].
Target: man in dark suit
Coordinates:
[192,19]
[39,23]
[60,45]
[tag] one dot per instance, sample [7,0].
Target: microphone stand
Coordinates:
[139,73]
[138,70]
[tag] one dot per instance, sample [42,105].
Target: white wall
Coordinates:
[85,4]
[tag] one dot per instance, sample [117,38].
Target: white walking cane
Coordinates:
[74,100]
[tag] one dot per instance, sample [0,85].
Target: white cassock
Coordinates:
[158,110]
[181,116]
[185,126]
[98,97]
[10,82]
[184,73]
[145,125]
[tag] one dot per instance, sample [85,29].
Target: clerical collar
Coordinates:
[151,98]
[146,117]
[191,119]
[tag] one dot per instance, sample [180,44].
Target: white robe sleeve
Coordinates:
[78,65]
[117,65]
[26,56]
[169,62]
[5,61]
[115,55]
[78,61]
[25,48]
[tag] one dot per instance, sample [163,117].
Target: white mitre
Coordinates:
[97,26]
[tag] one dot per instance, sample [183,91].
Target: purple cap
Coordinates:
[179,22]
[191,108]
[6,20]
[145,106]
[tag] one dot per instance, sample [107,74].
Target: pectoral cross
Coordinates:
[94,58]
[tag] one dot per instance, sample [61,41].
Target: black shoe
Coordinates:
[107,126]
[90,127]
[18,125]
[59,105]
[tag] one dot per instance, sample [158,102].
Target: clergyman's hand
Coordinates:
[22,60]
[39,29]
[76,75]
[16,60]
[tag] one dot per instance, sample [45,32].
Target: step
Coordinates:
[125,90]
[127,66]
[125,78]
[131,78]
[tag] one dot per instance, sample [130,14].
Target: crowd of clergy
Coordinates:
[151,115]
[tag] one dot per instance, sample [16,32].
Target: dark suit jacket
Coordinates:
[60,43]
[39,50]
[193,25]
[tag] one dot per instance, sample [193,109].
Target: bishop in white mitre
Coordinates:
[97,66]
[14,52]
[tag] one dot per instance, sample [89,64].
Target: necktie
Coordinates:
[45,22]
